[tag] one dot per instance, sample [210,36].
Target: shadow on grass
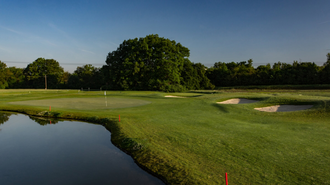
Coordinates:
[222,108]
[161,96]
[203,92]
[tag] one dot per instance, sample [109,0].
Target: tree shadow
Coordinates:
[203,92]
[222,108]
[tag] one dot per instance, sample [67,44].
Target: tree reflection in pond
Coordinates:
[4,117]
[44,121]
[69,152]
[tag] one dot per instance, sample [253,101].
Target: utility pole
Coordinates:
[45,82]
[45,76]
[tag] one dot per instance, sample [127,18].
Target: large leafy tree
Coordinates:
[149,63]
[4,75]
[229,74]
[325,73]
[86,76]
[16,79]
[36,71]
[194,76]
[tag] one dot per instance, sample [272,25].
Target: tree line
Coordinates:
[243,73]
[47,73]
[157,63]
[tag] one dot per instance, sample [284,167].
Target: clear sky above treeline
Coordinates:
[78,32]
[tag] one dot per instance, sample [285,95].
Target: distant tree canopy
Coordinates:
[242,73]
[154,63]
[149,63]
[4,75]
[36,71]
[193,76]
[86,76]
[325,73]
[16,79]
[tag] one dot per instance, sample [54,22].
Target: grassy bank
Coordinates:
[193,140]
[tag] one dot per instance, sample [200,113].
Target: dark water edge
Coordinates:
[42,151]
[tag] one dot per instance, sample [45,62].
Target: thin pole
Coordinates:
[45,82]
[226,179]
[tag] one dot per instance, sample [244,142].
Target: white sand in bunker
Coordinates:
[170,96]
[284,108]
[237,101]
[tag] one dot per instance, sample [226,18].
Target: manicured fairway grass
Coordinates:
[85,103]
[193,140]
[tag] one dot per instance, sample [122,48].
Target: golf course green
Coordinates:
[85,103]
[195,140]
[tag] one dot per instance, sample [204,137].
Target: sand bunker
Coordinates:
[284,108]
[170,96]
[237,101]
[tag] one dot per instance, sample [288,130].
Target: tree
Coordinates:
[204,82]
[244,73]
[16,79]
[325,73]
[149,63]
[41,70]
[219,74]
[263,75]
[65,79]
[86,76]
[4,75]
[194,76]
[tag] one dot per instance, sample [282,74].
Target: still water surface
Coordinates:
[67,152]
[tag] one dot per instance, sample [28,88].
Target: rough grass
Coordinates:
[193,140]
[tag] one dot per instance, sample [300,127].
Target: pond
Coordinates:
[40,151]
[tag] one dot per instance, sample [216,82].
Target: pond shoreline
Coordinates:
[117,137]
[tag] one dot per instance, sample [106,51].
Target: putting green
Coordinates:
[85,103]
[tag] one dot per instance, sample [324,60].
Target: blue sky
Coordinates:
[78,32]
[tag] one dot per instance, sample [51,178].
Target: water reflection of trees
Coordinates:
[44,121]
[4,117]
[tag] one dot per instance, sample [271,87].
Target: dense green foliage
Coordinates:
[156,63]
[243,73]
[4,75]
[16,79]
[193,76]
[150,63]
[153,63]
[194,140]
[86,76]
[36,73]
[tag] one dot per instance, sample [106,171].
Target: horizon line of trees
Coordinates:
[156,63]
[220,74]
[243,73]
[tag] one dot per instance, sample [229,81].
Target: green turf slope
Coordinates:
[194,140]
